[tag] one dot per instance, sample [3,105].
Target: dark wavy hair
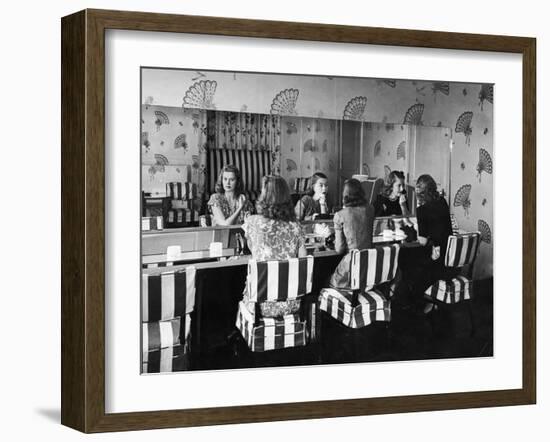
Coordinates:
[426,189]
[392,178]
[353,194]
[239,188]
[314,178]
[274,202]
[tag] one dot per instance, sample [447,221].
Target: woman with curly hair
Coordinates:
[426,266]
[353,226]
[393,199]
[273,234]
[229,204]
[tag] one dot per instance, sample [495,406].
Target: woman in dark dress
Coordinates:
[425,265]
[393,199]
[315,202]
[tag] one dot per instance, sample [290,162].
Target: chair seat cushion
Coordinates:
[163,334]
[372,306]
[450,291]
[271,333]
[166,360]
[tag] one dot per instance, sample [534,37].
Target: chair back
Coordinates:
[301,184]
[279,280]
[178,190]
[462,249]
[370,267]
[167,295]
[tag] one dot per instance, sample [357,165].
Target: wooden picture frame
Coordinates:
[83,219]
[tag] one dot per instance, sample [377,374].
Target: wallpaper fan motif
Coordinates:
[388,82]
[485,163]
[442,87]
[160,162]
[291,165]
[463,124]
[414,114]
[485,231]
[145,141]
[462,198]
[181,142]
[401,150]
[161,119]
[284,102]
[310,146]
[291,128]
[378,148]
[485,94]
[201,95]
[355,109]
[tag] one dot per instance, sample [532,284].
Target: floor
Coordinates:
[447,333]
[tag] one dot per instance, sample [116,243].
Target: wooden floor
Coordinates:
[447,334]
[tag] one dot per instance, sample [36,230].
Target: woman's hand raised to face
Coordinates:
[402,198]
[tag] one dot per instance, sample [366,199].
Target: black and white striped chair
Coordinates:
[151,223]
[181,196]
[270,282]
[167,300]
[461,253]
[363,302]
[301,184]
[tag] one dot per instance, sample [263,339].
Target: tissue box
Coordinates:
[271,333]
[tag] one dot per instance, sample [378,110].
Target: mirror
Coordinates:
[193,151]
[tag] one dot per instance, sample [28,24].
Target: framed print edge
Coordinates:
[83,221]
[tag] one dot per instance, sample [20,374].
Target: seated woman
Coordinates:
[274,233]
[426,266]
[393,199]
[229,204]
[315,201]
[353,227]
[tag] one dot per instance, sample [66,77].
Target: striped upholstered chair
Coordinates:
[269,282]
[182,211]
[363,302]
[167,300]
[366,302]
[460,254]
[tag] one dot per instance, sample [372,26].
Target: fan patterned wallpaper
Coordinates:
[466,108]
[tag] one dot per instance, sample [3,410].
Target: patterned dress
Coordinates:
[220,200]
[270,239]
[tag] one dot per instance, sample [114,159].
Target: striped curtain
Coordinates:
[253,165]
[252,142]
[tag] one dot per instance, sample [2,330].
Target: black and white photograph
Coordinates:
[294,220]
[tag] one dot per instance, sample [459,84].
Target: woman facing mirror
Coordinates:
[229,204]
[353,227]
[314,202]
[393,198]
[434,229]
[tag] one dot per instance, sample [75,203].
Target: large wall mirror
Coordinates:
[202,141]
